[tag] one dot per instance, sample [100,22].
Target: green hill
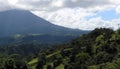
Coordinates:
[100,49]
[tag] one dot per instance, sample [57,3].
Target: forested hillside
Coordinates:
[36,39]
[99,49]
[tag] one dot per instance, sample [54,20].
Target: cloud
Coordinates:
[118,9]
[76,19]
[4,5]
[68,13]
[53,5]
[85,3]
[65,17]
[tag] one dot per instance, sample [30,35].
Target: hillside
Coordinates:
[36,39]
[100,49]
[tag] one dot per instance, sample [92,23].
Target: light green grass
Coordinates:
[34,61]
[50,55]
[61,66]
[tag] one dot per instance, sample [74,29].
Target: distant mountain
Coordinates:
[14,22]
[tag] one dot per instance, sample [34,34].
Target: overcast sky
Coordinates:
[77,14]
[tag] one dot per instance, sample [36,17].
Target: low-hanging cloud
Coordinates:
[4,5]
[53,5]
[85,3]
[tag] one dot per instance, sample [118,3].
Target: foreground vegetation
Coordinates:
[99,49]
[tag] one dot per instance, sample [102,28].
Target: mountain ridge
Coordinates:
[14,22]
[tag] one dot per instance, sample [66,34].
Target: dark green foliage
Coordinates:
[56,63]
[49,67]
[40,64]
[20,65]
[68,67]
[10,64]
[41,61]
[102,57]
[72,58]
